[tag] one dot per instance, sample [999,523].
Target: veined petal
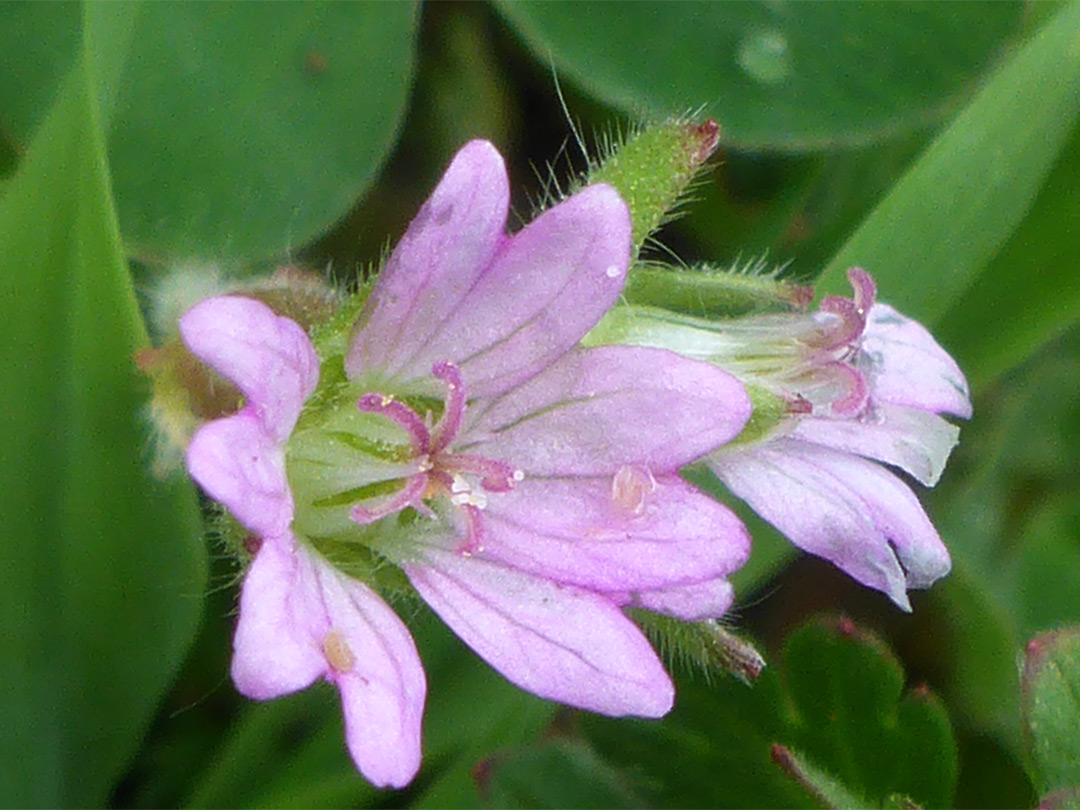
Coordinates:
[918,442]
[840,507]
[447,247]
[598,409]
[550,284]
[557,641]
[274,650]
[240,465]
[269,357]
[906,366]
[383,691]
[300,619]
[693,602]
[586,533]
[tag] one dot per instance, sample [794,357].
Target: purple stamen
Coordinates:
[853,321]
[454,411]
[864,287]
[856,391]
[409,495]
[495,476]
[401,414]
[474,532]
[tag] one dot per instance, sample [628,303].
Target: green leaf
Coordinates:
[1032,278]
[930,238]
[39,42]
[555,773]
[791,76]
[837,701]
[237,130]
[975,643]
[828,791]
[102,568]
[1051,705]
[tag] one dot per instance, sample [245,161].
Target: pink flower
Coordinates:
[868,386]
[528,488]
[300,619]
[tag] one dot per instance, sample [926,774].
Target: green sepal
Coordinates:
[707,646]
[708,291]
[770,411]
[653,168]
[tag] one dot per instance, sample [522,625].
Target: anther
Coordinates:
[338,653]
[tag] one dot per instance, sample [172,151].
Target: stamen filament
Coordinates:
[450,423]
[409,495]
[496,476]
[402,415]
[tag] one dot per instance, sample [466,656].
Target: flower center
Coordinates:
[465,480]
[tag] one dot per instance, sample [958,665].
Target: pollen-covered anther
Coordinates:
[630,490]
[338,654]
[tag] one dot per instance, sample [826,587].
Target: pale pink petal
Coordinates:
[694,602]
[300,619]
[659,533]
[449,244]
[268,357]
[543,292]
[238,464]
[275,649]
[840,507]
[598,409]
[382,693]
[557,641]
[906,366]
[918,442]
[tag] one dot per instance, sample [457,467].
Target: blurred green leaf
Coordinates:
[294,745]
[837,701]
[931,237]
[828,791]
[554,773]
[1051,700]
[976,647]
[238,130]
[1048,589]
[38,45]
[1028,292]
[990,776]
[103,569]
[792,76]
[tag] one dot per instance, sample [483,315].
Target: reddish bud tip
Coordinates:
[801,295]
[252,544]
[921,692]
[782,756]
[705,138]
[846,627]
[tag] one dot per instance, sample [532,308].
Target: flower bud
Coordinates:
[653,168]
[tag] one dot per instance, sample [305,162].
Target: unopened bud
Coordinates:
[654,167]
